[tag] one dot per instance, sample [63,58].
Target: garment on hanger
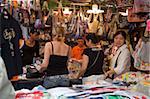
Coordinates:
[10,35]
[93,26]
[141,56]
[112,27]
[133,17]
[101,26]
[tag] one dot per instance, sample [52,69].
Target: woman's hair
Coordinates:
[34,31]
[59,37]
[123,33]
[60,34]
[94,38]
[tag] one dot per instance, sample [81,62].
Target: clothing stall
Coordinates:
[77,19]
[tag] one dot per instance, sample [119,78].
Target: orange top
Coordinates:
[77,52]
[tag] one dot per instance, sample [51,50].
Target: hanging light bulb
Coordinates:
[95,9]
[124,13]
[66,11]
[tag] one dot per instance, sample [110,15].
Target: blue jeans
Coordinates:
[55,81]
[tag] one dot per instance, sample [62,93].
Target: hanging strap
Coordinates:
[116,63]
[117,60]
[94,61]
[52,48]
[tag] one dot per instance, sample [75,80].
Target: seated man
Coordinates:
[6,88]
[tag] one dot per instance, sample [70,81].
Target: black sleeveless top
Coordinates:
[57,64]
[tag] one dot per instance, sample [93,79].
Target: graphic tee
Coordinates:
[10,35]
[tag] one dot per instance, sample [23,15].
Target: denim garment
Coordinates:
[55,81]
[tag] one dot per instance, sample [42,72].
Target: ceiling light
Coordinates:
[95,9]
[66,11]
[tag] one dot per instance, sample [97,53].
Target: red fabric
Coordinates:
[141,6]
[132,17]
[148,25]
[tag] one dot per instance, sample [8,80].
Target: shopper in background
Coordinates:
[119,56]
[56,55]
[77,50]
[75,62]
[92,58]
[6,89]
[30,47]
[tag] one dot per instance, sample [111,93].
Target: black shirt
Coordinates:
[10,35]
[29,52]
[96,68]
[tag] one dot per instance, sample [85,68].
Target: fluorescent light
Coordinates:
[95,9]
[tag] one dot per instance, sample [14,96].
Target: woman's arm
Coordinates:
[47,53]
[85,61]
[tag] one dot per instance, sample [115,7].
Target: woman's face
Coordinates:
[119,40]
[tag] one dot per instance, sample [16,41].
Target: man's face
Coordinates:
[80,42]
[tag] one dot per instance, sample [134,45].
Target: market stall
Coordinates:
[46,21]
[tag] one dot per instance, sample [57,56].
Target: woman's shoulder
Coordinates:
[87,50]
[125,49]
[67,46]
[48,44]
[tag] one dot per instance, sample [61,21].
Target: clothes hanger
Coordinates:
[5,14]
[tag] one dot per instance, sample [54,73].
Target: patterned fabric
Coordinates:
[141,56]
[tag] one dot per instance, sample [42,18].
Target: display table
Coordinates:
[92,88]
[26,83]
[21,82]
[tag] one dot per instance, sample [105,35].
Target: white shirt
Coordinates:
[6,88]
[123,62]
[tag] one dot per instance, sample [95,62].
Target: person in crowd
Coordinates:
[77,50]
[75,62]
[6,89]
[30,47]
[92,58]
[56,55]
[119,56]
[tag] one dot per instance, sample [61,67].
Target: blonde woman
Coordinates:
[56,55]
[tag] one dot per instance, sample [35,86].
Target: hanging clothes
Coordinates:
[93,26]
[10,35]
[101,26]
[141,56]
